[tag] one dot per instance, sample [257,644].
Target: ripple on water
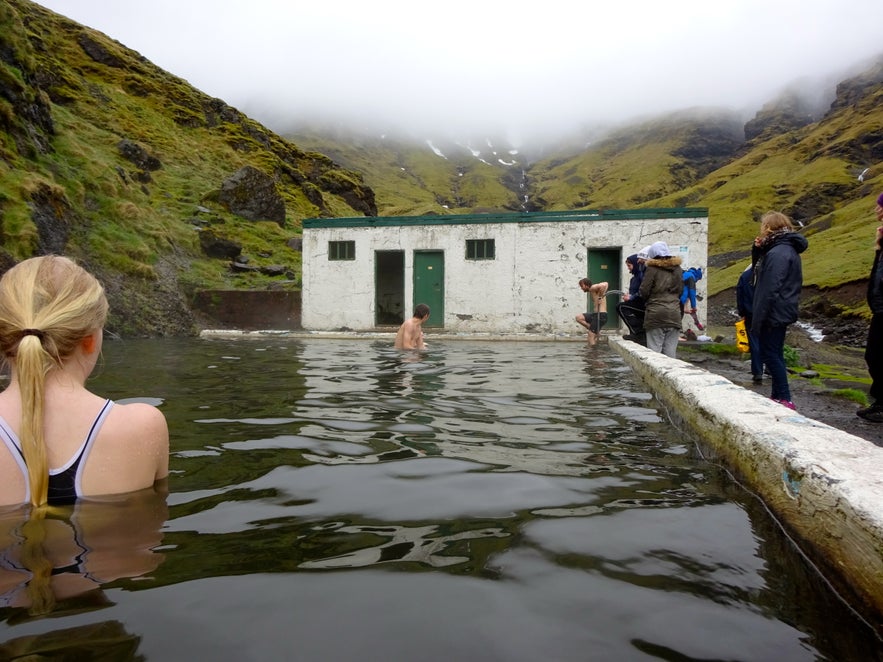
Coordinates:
[534,488]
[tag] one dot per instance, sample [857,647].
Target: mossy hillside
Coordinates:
[810,174]
[410,179]
[639,164]
[121,216]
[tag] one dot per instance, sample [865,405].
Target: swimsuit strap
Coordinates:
[65,483]
[90,440]
[14,445]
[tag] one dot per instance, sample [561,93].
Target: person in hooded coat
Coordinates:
[661,291]
[778,279]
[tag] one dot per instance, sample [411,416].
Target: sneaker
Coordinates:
[790,405]
[874,413]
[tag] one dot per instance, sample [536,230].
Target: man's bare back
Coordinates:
[410,333]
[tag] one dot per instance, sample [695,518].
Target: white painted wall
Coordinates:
[531,286]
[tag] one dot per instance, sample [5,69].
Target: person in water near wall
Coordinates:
[410,333]
[60,442]
[593,322]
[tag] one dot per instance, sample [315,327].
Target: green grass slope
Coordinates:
[638,165]
[68,97]
[412,178]
[811,174]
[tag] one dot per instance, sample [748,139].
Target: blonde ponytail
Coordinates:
[31,367]
[48,305]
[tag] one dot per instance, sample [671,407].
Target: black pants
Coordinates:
[632,313]
[874,357]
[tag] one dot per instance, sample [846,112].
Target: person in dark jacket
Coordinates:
[661,290]
[631,308]
[874,345]
[744,306]
[778,279]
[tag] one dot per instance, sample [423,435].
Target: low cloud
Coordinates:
[524,70]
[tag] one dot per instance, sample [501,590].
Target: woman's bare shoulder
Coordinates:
[142,412]
[141,425]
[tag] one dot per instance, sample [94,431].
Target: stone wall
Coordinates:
[248,310]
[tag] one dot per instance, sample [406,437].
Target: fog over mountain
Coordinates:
[527,71]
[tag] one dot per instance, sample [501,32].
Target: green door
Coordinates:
[604,265]
[429,284]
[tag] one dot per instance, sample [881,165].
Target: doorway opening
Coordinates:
[389,288]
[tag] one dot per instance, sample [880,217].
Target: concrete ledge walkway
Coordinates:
[823,484]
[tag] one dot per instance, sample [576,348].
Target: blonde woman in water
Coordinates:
[58,441]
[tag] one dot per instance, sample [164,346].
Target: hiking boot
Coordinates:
[757,379]
[874,413]
[790,405]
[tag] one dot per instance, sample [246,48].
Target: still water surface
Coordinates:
[340,500]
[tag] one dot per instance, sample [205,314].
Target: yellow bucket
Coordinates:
[742,336]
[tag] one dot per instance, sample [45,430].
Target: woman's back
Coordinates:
[129,452]
[59,441]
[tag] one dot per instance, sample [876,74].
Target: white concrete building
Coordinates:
[482,273]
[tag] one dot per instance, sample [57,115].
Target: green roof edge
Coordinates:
[510,217]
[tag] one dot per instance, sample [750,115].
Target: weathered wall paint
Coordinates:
[530,286]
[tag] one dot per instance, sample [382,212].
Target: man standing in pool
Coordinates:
[410,334]
[594,321]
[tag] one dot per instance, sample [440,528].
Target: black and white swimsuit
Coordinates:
[65,483]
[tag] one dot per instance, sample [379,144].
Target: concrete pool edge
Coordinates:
[390,335]
[823,484]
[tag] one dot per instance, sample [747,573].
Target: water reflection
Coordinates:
[108,640]
[57,562]
[530,498]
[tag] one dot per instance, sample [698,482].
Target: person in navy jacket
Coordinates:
[631,308]
[778,279]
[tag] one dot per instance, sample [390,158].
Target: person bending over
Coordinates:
[593,322]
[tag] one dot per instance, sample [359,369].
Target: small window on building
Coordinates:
[480,249]
[341,250]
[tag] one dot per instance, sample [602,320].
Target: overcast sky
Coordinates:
[497,66]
